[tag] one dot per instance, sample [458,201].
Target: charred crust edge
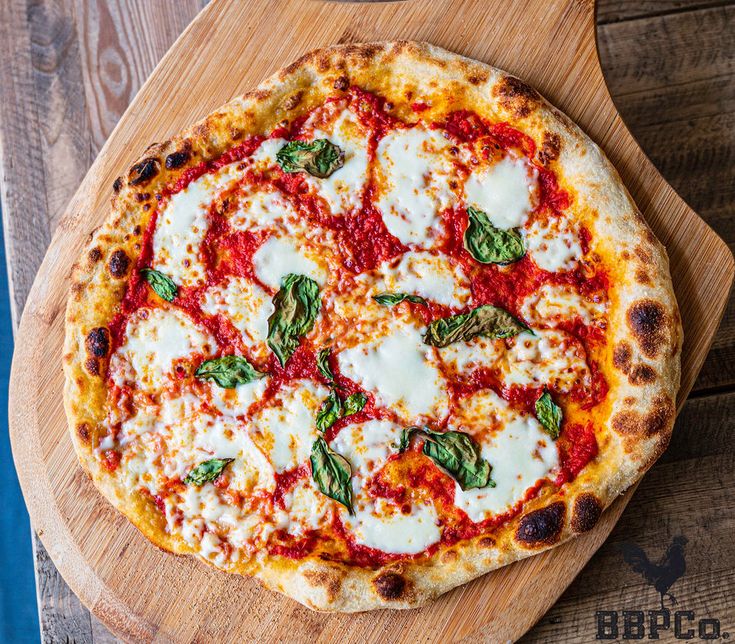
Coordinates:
[391,586]
[586,513]
[542,527]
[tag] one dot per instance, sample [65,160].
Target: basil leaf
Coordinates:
[487,320]
[319,158]
[322,364]
[331,473]
[456,452]
[207,471]
[228,371]
[296,306]
[161,283]
[329,412]
[389,299]
[354,403]
[549,414]
[490,245]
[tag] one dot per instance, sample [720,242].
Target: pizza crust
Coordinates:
[644,332]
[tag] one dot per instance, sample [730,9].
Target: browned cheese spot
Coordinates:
[118,263]
[515,96]
[550,148]
[657,420]
[390,585]
[341,83]
[292,101]
[586,512]
[477,79]
[486,542]
[542,527]
[83,432]
[648,321]
[98,342]
[642,374]
[142,172]
[622,356]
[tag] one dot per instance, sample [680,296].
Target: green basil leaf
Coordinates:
[329,412]
[354,403]
[389,299]
[549,414]
[456,452]
[228,371]
[331,473]
[487,320]
[319,158]
[296,306]
[490,245]
[161,283]
[207,471]
[322,364]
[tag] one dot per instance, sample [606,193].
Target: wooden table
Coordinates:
[670,65]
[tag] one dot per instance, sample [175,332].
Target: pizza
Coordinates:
[384,324]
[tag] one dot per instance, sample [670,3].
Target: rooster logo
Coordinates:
[664,573]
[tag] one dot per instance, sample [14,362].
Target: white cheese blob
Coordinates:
[414,171]
[516,447]
[434,277]
[245,304]
[182,225]
[554,303]
[465,357]
[155,339]
[342,189]
[545,358]
[288,424]
[400,371]
[381,523]
[259,209]
[306,507]
[279,256]
[504,191]
[554,245]
[265,155]
[237,401]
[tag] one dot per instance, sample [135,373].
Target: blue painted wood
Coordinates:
[18,609]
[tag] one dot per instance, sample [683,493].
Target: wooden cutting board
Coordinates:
[141,593]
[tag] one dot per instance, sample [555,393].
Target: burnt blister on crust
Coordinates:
[142,172]
[622,356]
[648,321]
[550,148]
[342,83]
[586,512]
[98,342]
[94,255]
[516,96]
[541,527]
[83,431]
[119,263]
[177,159]
[391,586]
[117,185]
[656,421]
[642,374]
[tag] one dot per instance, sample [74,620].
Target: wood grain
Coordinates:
[694,112]
[99,553]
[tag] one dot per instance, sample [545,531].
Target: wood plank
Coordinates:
[76,67]
[673,80]
[103,565]
[620,10]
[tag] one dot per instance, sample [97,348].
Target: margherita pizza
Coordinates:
[384,324]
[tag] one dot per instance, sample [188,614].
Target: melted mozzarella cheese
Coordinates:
[553,303]
[265,156]
[545,358]
[414,169]
[156,338]
[504,191]
[306,507]
[433,277]
[259,209]
[465,357]
[400,371]
[343,189]
[519,452]
[237,401]
[245,304]
[381,523]
[279,256]
[554,245]
[288,426]
[182,225]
